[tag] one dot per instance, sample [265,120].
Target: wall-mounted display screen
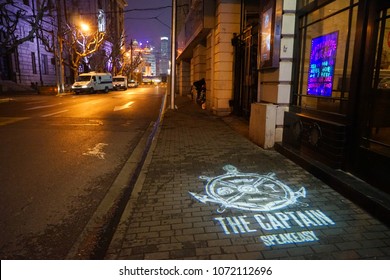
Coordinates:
[269,34]
[322,63]
[266,35]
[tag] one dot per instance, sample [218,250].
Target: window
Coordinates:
[377,133]
[3,35]
[33,63]
[17,64]
[381,77]
[326,50]
[45,65]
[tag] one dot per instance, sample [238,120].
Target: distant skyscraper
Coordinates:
[164,56]
[150,61]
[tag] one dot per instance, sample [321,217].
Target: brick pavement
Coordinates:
[206,192]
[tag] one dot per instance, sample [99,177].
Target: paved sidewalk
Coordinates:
[207,192]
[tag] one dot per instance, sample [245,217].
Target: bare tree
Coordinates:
[73,47]
[110,56]
[131,64]
[117,55]
[98,60]
[12,15]
[80,45]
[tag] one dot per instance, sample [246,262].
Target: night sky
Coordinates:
[148,25]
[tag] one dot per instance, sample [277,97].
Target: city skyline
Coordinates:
[148,21]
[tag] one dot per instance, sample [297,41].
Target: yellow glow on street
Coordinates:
[5,121]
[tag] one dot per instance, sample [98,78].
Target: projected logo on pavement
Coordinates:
[248,191]
[264,194]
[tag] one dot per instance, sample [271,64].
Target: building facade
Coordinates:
[205,50]
[101,16]
[30,64]
[36,62]
[164,56]
[150,64]
[310,76]
[340,98]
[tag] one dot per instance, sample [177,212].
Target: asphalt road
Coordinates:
[58,158]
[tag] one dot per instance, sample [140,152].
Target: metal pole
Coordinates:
[173,54]
[38,47]
[59,48]
[131,60]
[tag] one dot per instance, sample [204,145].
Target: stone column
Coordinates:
[275,84]
[184,78]
[227,23]
[199,62]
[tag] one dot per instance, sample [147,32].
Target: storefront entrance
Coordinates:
[245,71]
[371,158]
[340,109]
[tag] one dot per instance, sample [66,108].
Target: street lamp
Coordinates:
[84,27]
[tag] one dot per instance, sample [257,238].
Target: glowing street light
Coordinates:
[84,27]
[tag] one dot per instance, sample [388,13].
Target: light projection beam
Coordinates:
[275,221]
[261,193]
[248,191]
[289,238]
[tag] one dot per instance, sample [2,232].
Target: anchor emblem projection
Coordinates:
[248,191]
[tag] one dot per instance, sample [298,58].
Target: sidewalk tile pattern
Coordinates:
[193,147]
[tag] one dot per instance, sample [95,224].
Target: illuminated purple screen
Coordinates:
[322,63]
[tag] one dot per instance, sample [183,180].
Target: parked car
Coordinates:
[132,84]
[91,82]
[119,82]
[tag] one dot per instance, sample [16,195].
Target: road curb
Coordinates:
[97,234]
[121,229]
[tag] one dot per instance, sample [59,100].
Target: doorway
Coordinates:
[372,157]
[245,71]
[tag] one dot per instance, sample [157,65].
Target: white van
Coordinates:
[119,82]
[92,81]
